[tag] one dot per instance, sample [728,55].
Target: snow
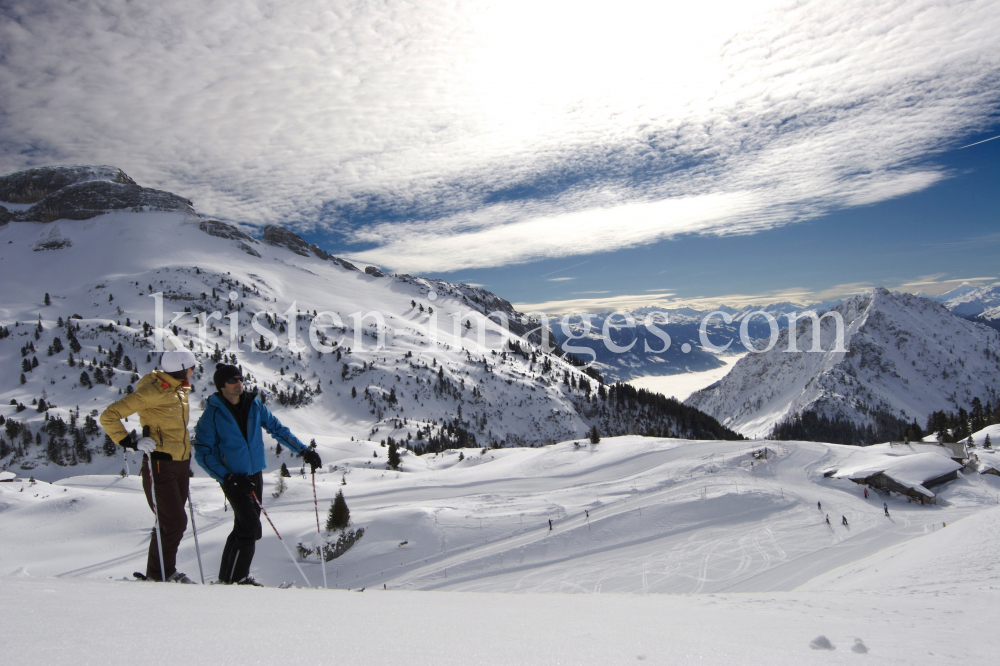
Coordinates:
[974,301]
[15,206]
[689,555]
[912,470]
[123,254]
[662,550]
[905,356]
[979,437]
[680,386]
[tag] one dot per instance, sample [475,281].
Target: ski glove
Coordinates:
[238,484]
[146,445]
[129,441]
[311,458]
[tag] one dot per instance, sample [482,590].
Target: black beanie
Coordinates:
[223,372]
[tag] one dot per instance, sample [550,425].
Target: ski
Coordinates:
[285,586]
[139,576]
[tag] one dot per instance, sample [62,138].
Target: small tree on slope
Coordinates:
[339,516]
[595,435]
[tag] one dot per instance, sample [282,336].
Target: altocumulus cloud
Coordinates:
[446,135]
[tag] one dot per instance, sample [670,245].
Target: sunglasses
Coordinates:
[234,380]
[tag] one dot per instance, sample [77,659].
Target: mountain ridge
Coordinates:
[905,357]
[307,335]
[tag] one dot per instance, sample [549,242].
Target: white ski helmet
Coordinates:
[176,360]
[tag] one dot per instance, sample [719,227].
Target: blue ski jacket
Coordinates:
[220,447]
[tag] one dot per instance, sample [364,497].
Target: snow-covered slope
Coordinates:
[905,357]
[974,301]
[440,376]
[625,506]
[733,542]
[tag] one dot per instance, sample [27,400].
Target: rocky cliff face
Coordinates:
[904,357]
[32,185]
[281,237]
[79,193]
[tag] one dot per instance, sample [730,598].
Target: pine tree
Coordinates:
[280,487]
[394,459]
[595,435]
[284,470]
[339,516]
[987,444]
[48,301]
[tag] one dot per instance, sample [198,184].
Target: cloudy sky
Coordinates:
[562,154]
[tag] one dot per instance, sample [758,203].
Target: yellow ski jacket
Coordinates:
[162,404]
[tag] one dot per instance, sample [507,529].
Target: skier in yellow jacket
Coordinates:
[161,400]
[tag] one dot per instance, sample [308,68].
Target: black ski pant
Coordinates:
[241,544]
[170,478]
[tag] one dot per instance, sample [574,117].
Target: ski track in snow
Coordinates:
[665,516]
[688,556]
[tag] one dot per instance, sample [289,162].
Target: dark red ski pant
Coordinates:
[170,478]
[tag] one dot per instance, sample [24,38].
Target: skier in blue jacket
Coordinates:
[229,446]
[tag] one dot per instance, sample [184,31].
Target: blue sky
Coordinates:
[930,241]
[588,154]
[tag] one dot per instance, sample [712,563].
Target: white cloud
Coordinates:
[928,284]
[630,122]
[937,284]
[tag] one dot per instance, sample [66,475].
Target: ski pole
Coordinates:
[322,555]
[315,502]
[156,512]
[194,530]
[290,556]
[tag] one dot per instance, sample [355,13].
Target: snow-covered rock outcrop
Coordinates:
[79,193]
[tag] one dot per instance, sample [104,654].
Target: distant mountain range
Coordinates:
[624,350]
[905,357]
[979,304]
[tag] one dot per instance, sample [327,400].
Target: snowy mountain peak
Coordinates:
[974,301]
[46,194]
[32,185]
[903,358]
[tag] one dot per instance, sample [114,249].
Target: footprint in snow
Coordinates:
[821,643]
[859,647]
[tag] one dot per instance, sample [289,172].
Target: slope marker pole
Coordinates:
[194,530]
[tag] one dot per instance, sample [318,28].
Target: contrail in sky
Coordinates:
[565,269]
[979,142]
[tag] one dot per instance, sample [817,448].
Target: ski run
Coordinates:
[660,550]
